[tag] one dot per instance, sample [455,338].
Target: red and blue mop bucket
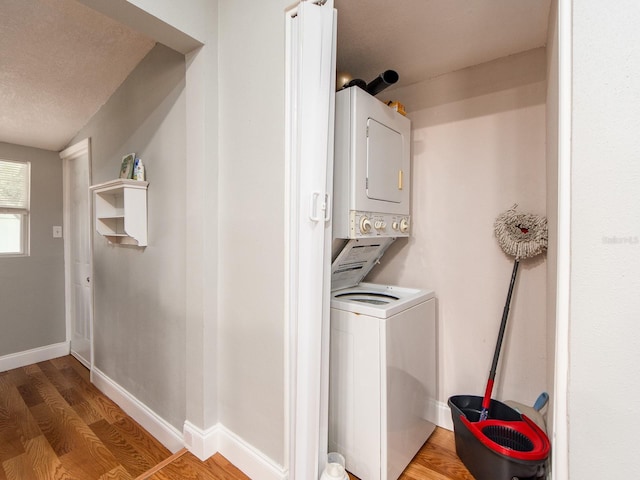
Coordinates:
[506,446]
[493,440]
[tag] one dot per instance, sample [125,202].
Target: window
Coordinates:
[14,208]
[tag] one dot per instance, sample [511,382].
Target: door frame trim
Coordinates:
[71,153]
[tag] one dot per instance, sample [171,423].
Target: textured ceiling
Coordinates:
[60,60]
[421,39]
[59,63]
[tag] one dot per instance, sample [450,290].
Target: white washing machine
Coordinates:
[382,378]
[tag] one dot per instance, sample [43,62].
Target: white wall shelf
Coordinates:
[121,211]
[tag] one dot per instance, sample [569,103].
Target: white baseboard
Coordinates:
[164,432]
[202,443]
[247,458]
[254,463]
[35,355]
[444,416]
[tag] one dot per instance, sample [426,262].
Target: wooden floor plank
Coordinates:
[49,393]
[188,467]
[5,382]
[417,471]
[87,412]
[436,460]
[84,464]
[159,466]
[18,468]
[55,377]
[118,473]
[57,432]
[152,450]
[220,461]
[80,451]
[29,369]
[30,395]
[15,416]
[70,362]
[56,425]
[92,448]
[10,443]
[44,461]
[16,377]
[124,452]
[440,463]
[72,396]
[444,439]
[11,435]
[104,406]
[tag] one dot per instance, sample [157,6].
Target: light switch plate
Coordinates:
[57,232]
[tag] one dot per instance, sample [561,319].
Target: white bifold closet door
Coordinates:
[310,112]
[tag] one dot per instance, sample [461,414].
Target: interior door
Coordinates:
[310,111]
[77,232]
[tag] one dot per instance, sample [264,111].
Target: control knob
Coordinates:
[404,225]
[380,225]
[365,225]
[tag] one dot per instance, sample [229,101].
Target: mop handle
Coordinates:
[486,401]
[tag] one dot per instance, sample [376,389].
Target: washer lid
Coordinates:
[371,298]
[356,260]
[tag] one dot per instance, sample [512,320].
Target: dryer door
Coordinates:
[385,171]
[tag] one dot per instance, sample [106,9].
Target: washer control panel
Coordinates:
[373,224]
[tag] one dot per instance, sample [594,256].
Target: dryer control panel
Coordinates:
[373,224]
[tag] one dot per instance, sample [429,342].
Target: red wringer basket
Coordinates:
[507,445]
[494,441]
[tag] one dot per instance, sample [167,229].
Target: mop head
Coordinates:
[521,235]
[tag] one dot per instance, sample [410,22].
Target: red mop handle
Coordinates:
[486,401]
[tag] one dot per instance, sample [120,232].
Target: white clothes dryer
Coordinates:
[382,378]
[372,168]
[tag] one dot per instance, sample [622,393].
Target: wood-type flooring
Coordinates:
[436,460]
[55,425]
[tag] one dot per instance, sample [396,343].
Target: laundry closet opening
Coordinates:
[473,82]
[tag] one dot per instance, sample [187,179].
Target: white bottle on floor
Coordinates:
[335,468]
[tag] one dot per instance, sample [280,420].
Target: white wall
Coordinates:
[32,288]
[191,20]
[552,197]
[234,212]
[192,28]
[251,331]
[478,147]
[604,341]
[139,293]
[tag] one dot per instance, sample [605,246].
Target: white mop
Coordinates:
[520,235]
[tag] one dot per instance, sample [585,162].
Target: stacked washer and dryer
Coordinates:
[383,338]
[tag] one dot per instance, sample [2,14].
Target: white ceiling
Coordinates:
[60,61]
[421,39]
